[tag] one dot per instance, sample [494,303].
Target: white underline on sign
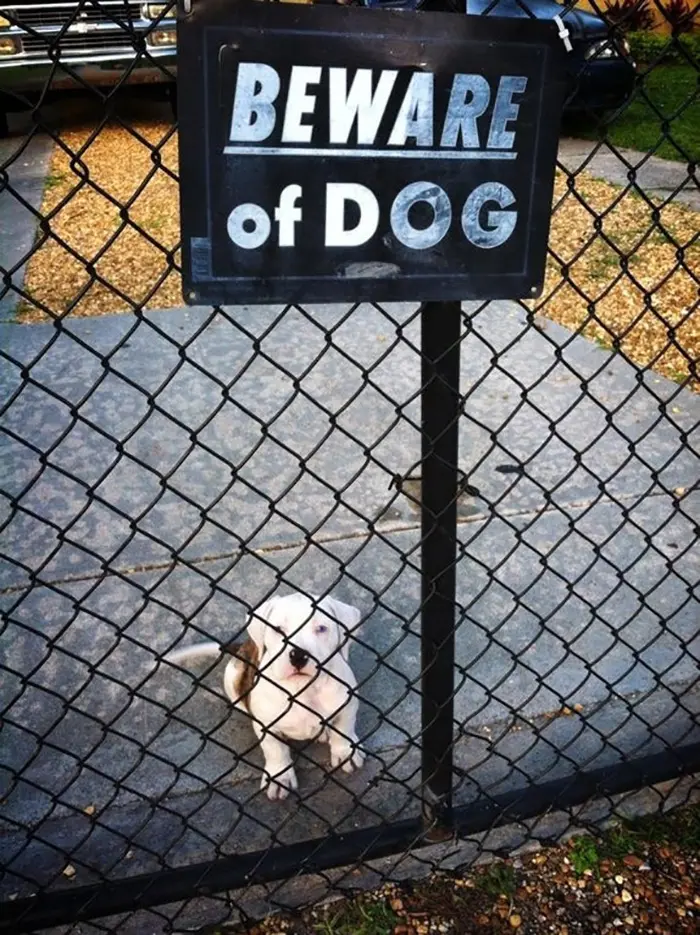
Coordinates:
[370,153]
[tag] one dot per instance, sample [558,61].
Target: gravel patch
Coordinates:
[112,230]
[626,274]
[643,879]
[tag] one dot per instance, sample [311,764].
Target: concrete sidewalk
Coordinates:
[577,577]
[661,180]
[26,162]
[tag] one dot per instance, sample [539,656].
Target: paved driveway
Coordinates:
[23,167]
[658,179]
[576,575]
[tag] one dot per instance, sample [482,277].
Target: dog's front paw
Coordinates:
[348,756]
[279,785]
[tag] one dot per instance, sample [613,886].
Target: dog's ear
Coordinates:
[348,618]
[257,623]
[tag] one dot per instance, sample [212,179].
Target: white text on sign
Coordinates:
[265,108]
[362,103]
[249,225]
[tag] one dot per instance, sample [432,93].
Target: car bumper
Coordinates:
[23,76]
[601,85]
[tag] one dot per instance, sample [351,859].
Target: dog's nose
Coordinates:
[298,657]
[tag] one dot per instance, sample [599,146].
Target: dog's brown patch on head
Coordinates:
[248,672]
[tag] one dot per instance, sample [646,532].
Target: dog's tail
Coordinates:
[198,651]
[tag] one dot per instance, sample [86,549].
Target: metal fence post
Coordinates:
[440,333]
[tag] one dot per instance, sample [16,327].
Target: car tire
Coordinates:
[4,125]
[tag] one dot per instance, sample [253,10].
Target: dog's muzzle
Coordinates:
[298,658]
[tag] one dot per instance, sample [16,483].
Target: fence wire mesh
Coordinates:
[167,471]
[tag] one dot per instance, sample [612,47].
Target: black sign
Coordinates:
[342,154]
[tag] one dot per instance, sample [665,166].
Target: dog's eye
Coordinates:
[321,628]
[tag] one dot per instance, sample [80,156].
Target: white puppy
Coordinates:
[292,676]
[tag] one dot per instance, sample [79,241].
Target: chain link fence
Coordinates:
[522,554]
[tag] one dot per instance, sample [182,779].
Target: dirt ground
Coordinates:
[626,275]
[112,235]
[621,272]
[637,878]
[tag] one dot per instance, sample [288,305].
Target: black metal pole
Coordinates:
[440,333]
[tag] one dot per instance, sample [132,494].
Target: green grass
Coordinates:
[604,266]
[584,855]
[497,880]
[51,181]
[587,852]
[619,842]
[358,917]
[680,828]
[669,87]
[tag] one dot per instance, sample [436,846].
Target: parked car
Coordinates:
[601,70]
[103,44]
[117,42]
